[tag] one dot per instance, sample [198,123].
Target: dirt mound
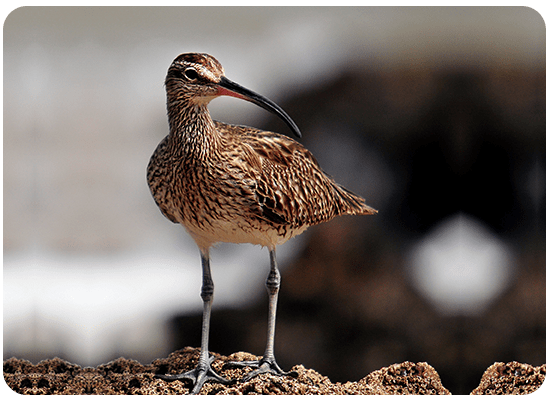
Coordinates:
[124,376]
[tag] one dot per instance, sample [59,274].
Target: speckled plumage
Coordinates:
[227,183]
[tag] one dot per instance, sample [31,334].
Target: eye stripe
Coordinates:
[201,69]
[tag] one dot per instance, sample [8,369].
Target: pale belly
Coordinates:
[240,232]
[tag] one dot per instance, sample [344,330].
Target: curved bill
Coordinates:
[230,88]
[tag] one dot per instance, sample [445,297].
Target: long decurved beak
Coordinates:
[230,88]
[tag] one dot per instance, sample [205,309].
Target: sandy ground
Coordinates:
[123,376]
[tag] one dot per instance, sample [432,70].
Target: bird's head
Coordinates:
[199,78]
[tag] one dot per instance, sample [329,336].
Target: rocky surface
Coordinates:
[123,376]
[511,378]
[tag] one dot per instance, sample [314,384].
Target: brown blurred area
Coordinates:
[456,140]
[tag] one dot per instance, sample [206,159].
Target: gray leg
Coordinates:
[268,364]
[204,371]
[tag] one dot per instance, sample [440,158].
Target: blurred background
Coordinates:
[435,115]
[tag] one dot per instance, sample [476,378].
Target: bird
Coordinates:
[236,184]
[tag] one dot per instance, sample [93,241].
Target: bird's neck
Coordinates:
[192,129]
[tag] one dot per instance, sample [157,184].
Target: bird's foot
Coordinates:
[267,365]
[203,373]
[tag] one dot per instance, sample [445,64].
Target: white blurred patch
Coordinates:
[460,266]
[91,309]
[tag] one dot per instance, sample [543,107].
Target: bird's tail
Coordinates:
[352,204]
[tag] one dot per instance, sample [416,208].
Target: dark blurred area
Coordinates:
[429,143]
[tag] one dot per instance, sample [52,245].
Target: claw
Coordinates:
[198,376]
[263,366]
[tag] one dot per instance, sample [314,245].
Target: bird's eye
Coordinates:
[191,74]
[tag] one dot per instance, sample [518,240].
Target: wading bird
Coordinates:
[236,184]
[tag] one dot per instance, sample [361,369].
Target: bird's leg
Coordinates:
[267,363]
[203,372]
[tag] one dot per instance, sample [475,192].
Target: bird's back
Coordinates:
[291,188]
